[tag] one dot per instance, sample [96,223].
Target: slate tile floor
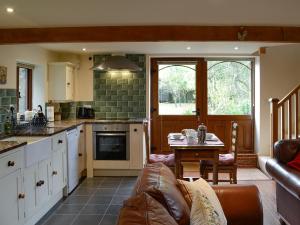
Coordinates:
[97,201]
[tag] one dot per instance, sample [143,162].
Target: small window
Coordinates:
[229,87]
[24,91]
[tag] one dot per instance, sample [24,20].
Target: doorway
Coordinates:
[186,92]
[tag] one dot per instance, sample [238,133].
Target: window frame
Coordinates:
[252,66]
[29,87]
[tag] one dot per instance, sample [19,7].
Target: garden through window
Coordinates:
[229,87]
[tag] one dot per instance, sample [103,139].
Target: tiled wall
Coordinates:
[120,95]
[7,97]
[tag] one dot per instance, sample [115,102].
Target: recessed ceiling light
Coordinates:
[236,48]
[84,49]
[9,10]
[188,48]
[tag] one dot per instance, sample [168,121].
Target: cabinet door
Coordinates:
[30,179]
[42,184]
[65,167]
[81,150]
[57,171]
[136,146]
[11,205]
[69,83]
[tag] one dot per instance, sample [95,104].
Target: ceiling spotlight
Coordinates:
[236,48]
[188,48]
[9,10]
[84,49]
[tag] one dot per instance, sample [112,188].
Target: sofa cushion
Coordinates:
[286,176]
[295,163]
[189,189]
[159,181]
[144,210]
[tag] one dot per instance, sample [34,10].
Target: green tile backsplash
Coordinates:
[119,94]
[7,97]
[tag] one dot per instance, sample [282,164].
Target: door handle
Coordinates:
[153,110]
[197,111]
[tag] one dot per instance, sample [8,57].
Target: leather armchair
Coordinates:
[287,180]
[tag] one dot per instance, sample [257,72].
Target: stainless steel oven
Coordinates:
[111,141]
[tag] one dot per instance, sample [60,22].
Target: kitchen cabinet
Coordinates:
[43,182]
[136,146]
[81,150]
[61,81]
[12,194]
[58,171]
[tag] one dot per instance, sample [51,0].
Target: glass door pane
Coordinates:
[23,89]
[177,89]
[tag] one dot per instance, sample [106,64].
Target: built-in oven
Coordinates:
[111,141]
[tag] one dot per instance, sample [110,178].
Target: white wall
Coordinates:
[32,54]
[279,74]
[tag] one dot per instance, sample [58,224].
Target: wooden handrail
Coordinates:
[288,117]
[294,91]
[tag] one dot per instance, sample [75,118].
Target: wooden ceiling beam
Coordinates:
[149,33]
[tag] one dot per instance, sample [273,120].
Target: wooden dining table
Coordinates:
[194,152]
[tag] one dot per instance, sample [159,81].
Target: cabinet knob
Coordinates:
[81,131]
[60,141]
[54,173]
[79,154]
[40,183]
[135,130]
[11,163]
[68,83]
[21,196]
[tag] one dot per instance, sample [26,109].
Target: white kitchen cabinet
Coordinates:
[12,199]
[136,146]
[81,150]
[61,81]
[11,186]
[43,182]
[57,171]
[30,179]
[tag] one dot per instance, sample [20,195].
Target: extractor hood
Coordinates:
[117,62]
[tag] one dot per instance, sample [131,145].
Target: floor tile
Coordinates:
[60,220]
[94,209]
[100,200]
[88,220]
[76,199]
[69,209]
[109,184]
[84,191]
[105,191]
[114,210]
[119,199]
[109,220]
[124,191]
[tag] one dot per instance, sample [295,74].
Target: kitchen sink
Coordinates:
[37,148]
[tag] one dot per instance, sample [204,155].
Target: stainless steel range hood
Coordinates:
[117,62]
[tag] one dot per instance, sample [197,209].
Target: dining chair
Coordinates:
[227,162]
[167,159]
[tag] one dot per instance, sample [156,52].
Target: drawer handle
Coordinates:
[21,196]
[60,141]
[54,173]
[40,183]
[81,131]
[11,163]
[197,154]
[79,154]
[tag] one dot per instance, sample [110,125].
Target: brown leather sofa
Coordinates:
[157,200]
[287,181]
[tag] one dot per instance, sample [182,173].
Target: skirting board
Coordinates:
[116,173]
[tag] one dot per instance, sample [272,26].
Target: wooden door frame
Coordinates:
[29,88]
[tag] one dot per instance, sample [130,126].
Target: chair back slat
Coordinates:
[234,139]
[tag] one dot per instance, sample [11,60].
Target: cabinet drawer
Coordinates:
[11,163]
[59,141]
[196,155]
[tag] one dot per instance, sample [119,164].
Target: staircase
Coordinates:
[285,117]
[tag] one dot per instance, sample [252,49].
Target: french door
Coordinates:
[188,91]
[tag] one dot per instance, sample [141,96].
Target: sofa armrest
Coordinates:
[241,204]
[286,150]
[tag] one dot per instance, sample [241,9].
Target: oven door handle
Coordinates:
[110,134]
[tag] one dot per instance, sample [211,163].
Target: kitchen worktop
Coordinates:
[5,146]
[57,127]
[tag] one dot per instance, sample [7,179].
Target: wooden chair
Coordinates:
[227,162]
[167,159]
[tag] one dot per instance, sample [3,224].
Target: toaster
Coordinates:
[85,113]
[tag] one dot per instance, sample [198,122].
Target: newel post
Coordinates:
[274,122]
